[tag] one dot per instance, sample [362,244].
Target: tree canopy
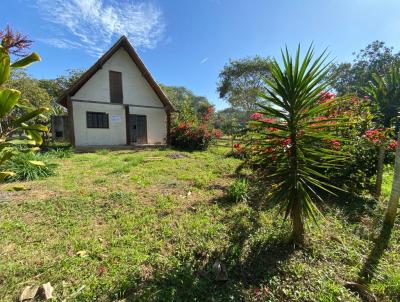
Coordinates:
[375,58]
[241,81]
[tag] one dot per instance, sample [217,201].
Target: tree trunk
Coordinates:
[298,223]
[379,171]
[391,210]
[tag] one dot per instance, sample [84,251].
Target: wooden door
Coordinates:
[138,129]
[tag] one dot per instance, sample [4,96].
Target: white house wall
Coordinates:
[156,123]
[114,135]
[135,88]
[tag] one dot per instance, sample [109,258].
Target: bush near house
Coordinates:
[194,133]
[193,137]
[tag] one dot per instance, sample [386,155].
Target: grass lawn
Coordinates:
[145,226]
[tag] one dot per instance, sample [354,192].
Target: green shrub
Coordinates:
[237,192]
[24,167]
[59,153]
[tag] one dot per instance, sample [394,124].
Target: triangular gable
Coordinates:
[124,43]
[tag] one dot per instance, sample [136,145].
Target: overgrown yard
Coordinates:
[149,225]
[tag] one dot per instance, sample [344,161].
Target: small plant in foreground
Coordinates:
[237,192]
[29,166]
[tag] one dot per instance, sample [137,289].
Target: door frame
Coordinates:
[129,129]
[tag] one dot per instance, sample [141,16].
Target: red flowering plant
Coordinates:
[194,134]
[293,139]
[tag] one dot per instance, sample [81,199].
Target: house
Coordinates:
[117,102]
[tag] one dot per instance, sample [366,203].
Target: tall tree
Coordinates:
[30,88]
[241,81]
[55,87]
[188,105]
[376,58]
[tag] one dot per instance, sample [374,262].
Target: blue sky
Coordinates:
[187,42]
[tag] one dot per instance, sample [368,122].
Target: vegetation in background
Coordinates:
[351,78]
[241,81]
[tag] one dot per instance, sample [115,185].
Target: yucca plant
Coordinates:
[293,140]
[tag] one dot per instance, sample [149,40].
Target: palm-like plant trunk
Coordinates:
[379,172]
[391,210]
[296,212]
[298,223]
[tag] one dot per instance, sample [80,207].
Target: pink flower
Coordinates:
[256,116]
[336,144]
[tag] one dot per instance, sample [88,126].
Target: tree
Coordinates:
[376,58]
[17,131]
[55,87]
[293,140]
[241,81]
[30,88]
[188,105]
[384,92]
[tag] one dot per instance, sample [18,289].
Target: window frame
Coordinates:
[99,125]
[113,100]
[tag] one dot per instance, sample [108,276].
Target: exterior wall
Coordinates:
[114,135]
[136,90]
[156,123]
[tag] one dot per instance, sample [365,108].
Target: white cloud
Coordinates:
[204,60]
[95,24]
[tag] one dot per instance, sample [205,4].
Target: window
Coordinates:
[116,87]
[97,120]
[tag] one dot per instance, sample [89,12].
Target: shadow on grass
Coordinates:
[192,277]
[353,207]
[368,270]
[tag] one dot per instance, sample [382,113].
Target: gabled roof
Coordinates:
[124,43]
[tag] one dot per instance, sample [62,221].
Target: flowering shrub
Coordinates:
[195,133]
[193,137]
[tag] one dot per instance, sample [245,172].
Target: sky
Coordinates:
[188,42]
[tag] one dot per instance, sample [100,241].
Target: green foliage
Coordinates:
[59,153]
[384,92]
[192,136]
[189,107]
[29,166]
[352,78]
[237,192]
[295,140]
[30,89]
[241,81]
[18,130]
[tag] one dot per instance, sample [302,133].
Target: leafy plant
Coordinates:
[238,191]
[384,92]
[29,166]
[18,132]
[296,139]
[192,136]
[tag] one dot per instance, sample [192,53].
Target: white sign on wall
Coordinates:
[116,118]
